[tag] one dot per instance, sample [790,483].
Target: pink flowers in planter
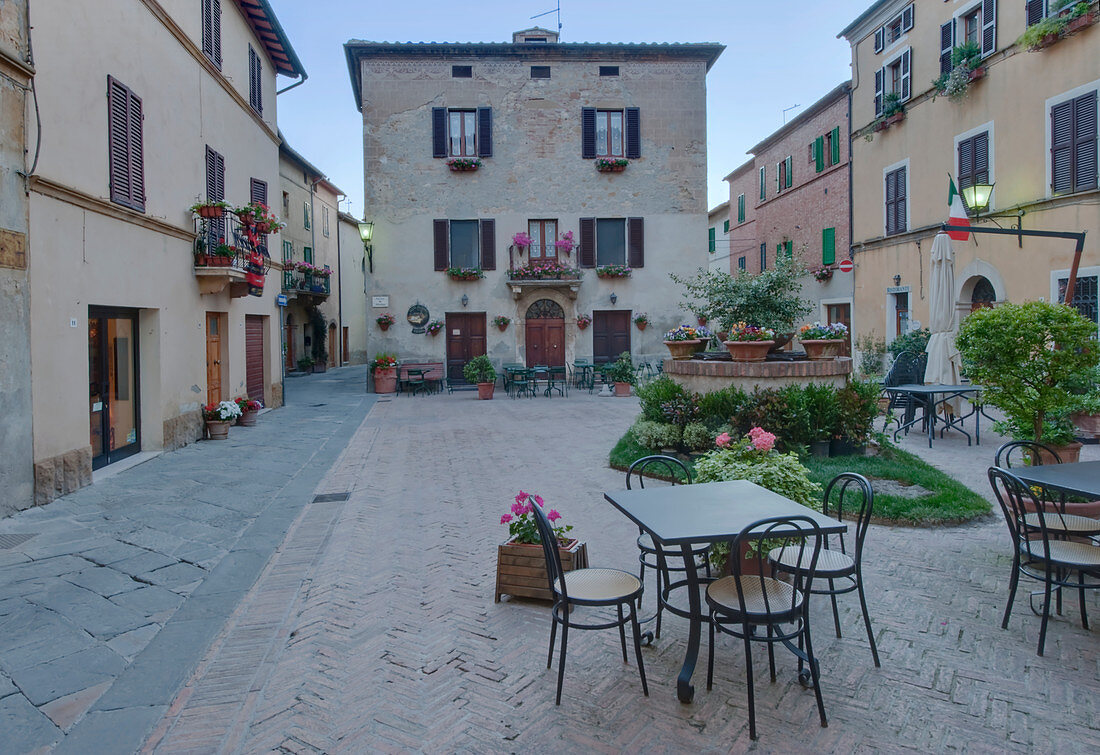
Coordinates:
[521,522]
[759,438]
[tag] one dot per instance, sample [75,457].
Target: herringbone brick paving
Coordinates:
[374,628]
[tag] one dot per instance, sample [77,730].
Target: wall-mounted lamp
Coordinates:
[897,279]
[465,300]
[614,298]
[977,197]
[366,233]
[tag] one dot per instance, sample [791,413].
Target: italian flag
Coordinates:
[956,213]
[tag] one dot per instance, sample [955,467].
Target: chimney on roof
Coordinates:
[534,35]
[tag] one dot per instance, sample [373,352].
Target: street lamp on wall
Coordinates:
[366,233]
[465,300]
[977,197]
[614,298]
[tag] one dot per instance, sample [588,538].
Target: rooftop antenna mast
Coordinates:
[787,110]
[547,13]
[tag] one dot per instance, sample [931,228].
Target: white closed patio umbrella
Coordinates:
[943,320]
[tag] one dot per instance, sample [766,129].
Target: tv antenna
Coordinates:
[786,109]
[556,11]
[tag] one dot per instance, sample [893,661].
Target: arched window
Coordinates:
[545,309]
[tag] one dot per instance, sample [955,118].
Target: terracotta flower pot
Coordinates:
[1068,453]
[820,349]
[683,349]
[384,325]
[217,429]
[702,320]
[582,324]
[641,325]
[1086,423]
[485,390]
[247,419]
[503,326]
[748,351]
[977,73]
[211,212]
[622,390]
[385,380]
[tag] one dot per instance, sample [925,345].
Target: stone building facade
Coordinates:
[1026,123]
[353,290]
[537,115]
[16,72]
[145,109]
[718,234]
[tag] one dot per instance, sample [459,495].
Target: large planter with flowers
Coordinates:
[822,349]
[384,369]
[218,416]
[683,349]
[521,564]
[684,341]
[249,410]
[823,341]
[749,343]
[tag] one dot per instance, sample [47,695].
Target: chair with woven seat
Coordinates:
[650,555]
[838,564]
[591,587]
[1078,518]
[1040,552]
[743,603]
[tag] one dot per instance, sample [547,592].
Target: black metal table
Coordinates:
[929,416]
[1077,478]
[708,512]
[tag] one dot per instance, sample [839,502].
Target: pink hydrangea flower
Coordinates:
[553,516]
[763,441]
[505,518]
[722,440]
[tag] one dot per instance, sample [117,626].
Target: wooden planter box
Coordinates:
[521,568]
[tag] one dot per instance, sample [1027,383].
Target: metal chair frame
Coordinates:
[562,610]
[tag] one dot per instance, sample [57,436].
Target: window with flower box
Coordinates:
[611,133]
[465,244]
[612,241]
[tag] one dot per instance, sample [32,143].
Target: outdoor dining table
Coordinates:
[933,395]
[1076,478]
[701,513]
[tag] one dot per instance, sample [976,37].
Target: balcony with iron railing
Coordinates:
[223,255]
[535,266]
[306,281]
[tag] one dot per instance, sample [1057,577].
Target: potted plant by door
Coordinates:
[218,416]
[248,408]
[683,341]
[749,343]
[480,370]
[384,320]
[521,565]
[384,369]
[823,341]
[641,320]
[621,373]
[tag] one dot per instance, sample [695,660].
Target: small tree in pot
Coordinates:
[480,370]
[621,373]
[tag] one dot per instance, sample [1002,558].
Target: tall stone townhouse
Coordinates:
[467,145]
[792,200]
[16,75]
[1022,121]
[142,109]
[310,257]
[718,234]
[353,290]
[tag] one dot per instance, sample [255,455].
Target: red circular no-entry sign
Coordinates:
[846,266]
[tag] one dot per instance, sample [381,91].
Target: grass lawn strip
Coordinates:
[951,502]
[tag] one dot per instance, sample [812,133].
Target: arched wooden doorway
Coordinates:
[545,334]
[332,345]
[288,341]
[983,294]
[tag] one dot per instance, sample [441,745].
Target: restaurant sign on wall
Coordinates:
[418,317]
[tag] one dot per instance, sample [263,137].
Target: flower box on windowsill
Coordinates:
[611,164]
[613,271]
[1081,22]
[978,73]
[465,273]
[463,164]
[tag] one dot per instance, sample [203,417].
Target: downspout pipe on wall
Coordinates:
[339,286]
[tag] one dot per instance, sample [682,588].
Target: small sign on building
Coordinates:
[380,301]
[281,300]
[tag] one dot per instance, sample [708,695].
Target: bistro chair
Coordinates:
[744,603]
[587,587]
[557,380]
[907,368]
[650,555]
[1074,518]
[522,383]
[1040,552]
[854,496]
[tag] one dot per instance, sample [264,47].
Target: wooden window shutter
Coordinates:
[1035,11]
[763,256]
[828,246]
[484,132]
[255,86]
[947,41]
[118,140]
[588,133]
[907,18]
[763,187]
[216,24]
[834,146]
[880,39]
[891,199]
[906,71]
[441,233]
[819,154]
[900,219]
[740,208]
[989,27]
[1084,142]
[778,177]
[712,243]
[789,162]
[586,229]
[1061,147]
[788,248]
[439,132]
[635,231]
[257,191]
[726,225]
[880,78]
[488,228]
[966,163]
[633,117]
[981,157]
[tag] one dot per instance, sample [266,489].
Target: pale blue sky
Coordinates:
[777,55]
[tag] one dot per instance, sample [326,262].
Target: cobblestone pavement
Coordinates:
[373,626]
[109,597]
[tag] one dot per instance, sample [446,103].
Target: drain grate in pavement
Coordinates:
[10,541]
[331,497]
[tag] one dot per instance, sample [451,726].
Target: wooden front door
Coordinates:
[332,344]
[213,358]
[254,356]
[344,347]
[289,362]
[465,340]
[841,313]
[610,335]
[544,334]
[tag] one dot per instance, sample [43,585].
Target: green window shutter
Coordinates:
[726,226]
[790,165]
[819,154]
[741,208]
[828,246]
[305,215]
[778,251]
[710,239]
[307,254]
[288,251]
[763,187]
[788,248]
[835,141]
